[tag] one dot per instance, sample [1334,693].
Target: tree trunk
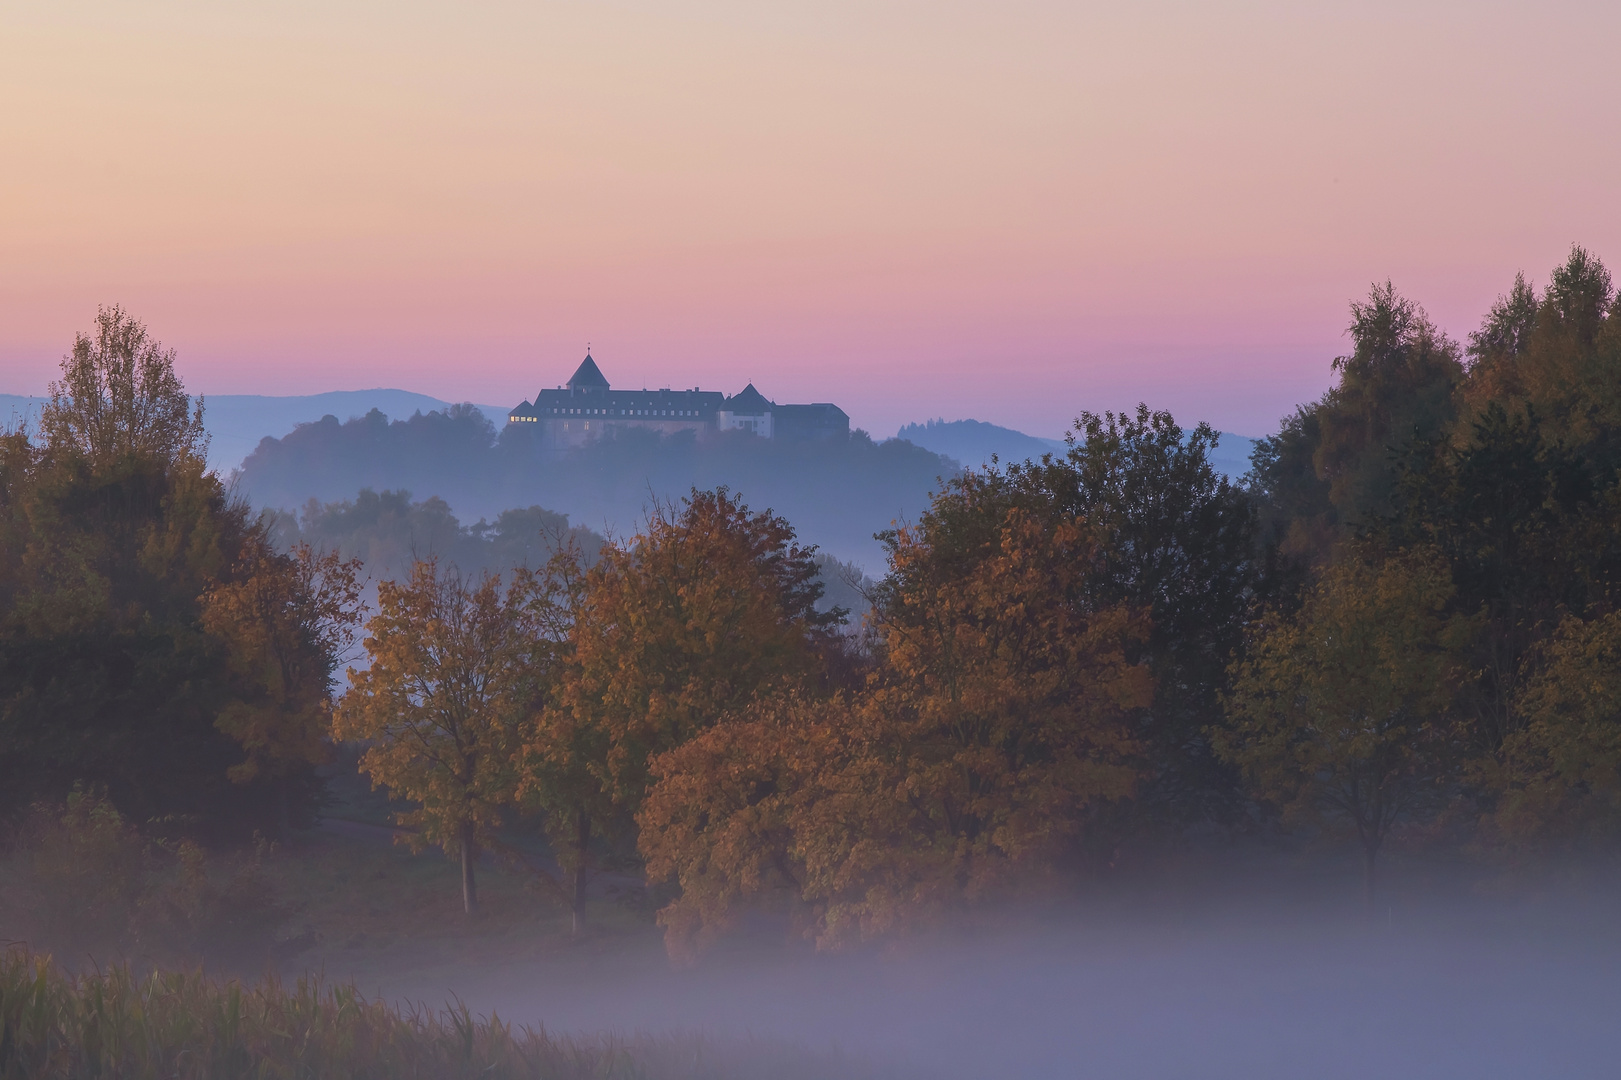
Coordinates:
[469,886]
[1370,854]
[582,841]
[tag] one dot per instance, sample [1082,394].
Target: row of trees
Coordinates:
[1405,615]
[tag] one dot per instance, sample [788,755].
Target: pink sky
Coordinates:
[1006,211]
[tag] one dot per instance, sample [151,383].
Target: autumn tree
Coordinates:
[288,622]
[999,716]
[686,623]
[119,398]
[1179,541]
[1339,713]
[440,705]
[731,818]
[1007,696]
[562,755]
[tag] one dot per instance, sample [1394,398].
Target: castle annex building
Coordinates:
[588,408]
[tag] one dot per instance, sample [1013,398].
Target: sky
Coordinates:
[1009,211]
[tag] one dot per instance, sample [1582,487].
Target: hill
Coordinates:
[972,442]
[836,493]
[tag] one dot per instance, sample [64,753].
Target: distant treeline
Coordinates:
[1405,624]
[388,531]
[838,493]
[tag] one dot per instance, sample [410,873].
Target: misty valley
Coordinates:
[416,747]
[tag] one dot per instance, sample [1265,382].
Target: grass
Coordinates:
[175,1024]
[119,1024]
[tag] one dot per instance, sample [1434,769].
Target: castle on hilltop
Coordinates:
[587,408]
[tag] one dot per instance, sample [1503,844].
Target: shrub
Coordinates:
[87,870]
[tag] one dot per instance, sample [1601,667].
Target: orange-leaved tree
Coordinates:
[687,623]
[441,704]
[999,716]
[1005,707]
[288,621]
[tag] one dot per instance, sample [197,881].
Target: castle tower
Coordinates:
[588,380]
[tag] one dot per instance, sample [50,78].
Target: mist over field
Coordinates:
[1272,975]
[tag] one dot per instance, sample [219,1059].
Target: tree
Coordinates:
[1561,775]
[448,685]
[1333,468]
[998,719]
[288,622]
[119,397]
[113,531]
[767,806]
[686,623]
[563,754]
[1339,712]
[1178,541]
[1008,700]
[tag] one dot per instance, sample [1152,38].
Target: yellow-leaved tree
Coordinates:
[442,703]
[1560,781]
[1341,711]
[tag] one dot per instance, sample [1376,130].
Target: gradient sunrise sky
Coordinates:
[1009,211]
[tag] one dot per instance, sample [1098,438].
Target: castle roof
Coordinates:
[749,402]
[588,375]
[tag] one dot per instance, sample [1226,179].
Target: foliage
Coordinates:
[837,491]
[997,719]
[114,534]
[688,622]
[387,531]
[96,884]
[1333,466]
[119,398]
[1178,540]
[562,754]
[288,620]
[1561,773]
[88,871]
[1339,712]
[180,1024]
[440,703]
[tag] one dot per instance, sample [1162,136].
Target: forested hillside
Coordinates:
[838,494]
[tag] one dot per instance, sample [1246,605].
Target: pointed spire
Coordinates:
[588,376]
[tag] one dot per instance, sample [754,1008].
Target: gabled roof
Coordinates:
[588,374]
[749,402]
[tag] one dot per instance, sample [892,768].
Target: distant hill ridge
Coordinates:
[238,422]
[972,443]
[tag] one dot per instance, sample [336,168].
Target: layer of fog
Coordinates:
[1250,986]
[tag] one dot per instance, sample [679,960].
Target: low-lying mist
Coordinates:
[1254,983]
